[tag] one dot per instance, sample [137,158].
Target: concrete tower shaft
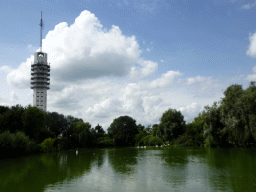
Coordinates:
[40,75]
[40,80]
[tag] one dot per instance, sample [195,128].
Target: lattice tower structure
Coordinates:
[40,80]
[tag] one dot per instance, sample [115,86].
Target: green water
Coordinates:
[133,169]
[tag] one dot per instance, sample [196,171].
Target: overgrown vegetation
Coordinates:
[16,144]
[229,122]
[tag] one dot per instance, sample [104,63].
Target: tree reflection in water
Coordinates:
[35,172]
[123,160]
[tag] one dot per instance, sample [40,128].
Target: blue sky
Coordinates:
[146,55]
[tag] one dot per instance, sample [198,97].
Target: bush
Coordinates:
[209,141]
[145,139]
[7,140]
[105,142]
[16,144]
[47,145]
[152,141]
[59,143]
[22,142]
[183,140]
[138,138]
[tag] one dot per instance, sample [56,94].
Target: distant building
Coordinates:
[40,76]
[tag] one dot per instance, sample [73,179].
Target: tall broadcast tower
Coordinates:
[40,75]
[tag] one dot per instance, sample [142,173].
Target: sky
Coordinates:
[111,58]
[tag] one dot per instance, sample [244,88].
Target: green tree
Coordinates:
[33,121]
[82,134]
[214,132]
[69,126]
[123,130]
[233,115]
[99,129]
[171,125]
[154,130]
[105,141]
[141,128]
[56,123]
[148,130]
[248,112]
[139,136]
[47,145]
[4,109]
[11,120]
[153,141]
[15,144]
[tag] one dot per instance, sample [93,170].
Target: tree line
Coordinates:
[228,122]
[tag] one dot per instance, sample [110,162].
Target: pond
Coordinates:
[133,169]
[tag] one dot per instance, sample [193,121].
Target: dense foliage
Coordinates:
[171,125]
[16,144]
[123,131]
[229,122]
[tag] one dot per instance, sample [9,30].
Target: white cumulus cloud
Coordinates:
[144,69]
[86,50]
[5,69]
[97,74]
[20,77]
[190,111]
[197,79]
[166,79]
[252,77]
[252,47]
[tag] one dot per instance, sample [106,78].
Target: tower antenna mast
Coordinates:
[41,31]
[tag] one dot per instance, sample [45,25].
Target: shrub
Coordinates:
[47,145]
[145,139]
[105,142]
[16,144]
[209,141]
[139,136]
[7,140]
[152,141]
[59,143]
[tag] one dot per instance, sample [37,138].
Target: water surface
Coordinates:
[133,169]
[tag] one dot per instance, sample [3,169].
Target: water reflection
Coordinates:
[132,169]
[235,167]
[34,173]
[175,170]
[123,160]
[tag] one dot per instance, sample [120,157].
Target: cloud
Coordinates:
[132,98]
[252,77]
[205,86]
[190,111]
[197,79]
[149,49]
[104,108]
[252,48]
[85,50]
[146,5]
[5,69]
[20,77]
[166,79]
[10,98]
[144,69]
[252,52]
[151,105]
[249,5]
[98,75]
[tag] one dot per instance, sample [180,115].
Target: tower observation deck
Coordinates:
[40,77]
